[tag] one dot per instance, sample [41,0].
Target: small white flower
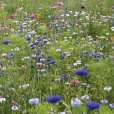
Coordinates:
[85,97]
[2,100]
[104,101]
[67,83]
[43,70]
[107,33]
[111,105]
[75,64]
[25,86]
[33,101]
[14,108]
[58,50]
[61,113]
[107,88]
[4,54]
[76,103]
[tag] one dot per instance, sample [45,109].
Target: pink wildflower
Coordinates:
[55,7]
[39,64]
[13,102]
[57,3]
[61,3]
[32,15]
[65,23]
[74,82]
[61,11]
[4,5]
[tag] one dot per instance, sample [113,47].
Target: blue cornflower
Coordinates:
[32,66]
[64,75]
[39,39]
[53,99]
[77,42]
[85,56]
[1,75]
[99,44]
[11,85]
[81,55]
[28,38]
[64,53]
[53,62]
[39,59]
[85,52]
[33,47]
[48,56]
[90,56]
[81,72]
[11,54]
[42,44]
[6,42]
[44,37]
[48,59]
[92,105]
[34,75]
[36,43]
[45,42]
[61,58]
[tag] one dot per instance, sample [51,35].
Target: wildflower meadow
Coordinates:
[56,56]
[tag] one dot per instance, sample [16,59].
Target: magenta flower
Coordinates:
[11,17]
[61,11]
[13,102]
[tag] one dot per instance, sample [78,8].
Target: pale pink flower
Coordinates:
[61,11]
[74,82]
[57,3]
[57,69]
[61,3]
[85,84]
[39,64]
[55,7]
[4,5]
[15,14]
[18,10]
[23,66]
[65,23]
[56,17]
[59,17]
[0,86]
[25,86]
[12,89]
[71,48]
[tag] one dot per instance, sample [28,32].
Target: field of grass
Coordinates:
[56,57]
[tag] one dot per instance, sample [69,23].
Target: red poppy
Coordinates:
[82,7]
